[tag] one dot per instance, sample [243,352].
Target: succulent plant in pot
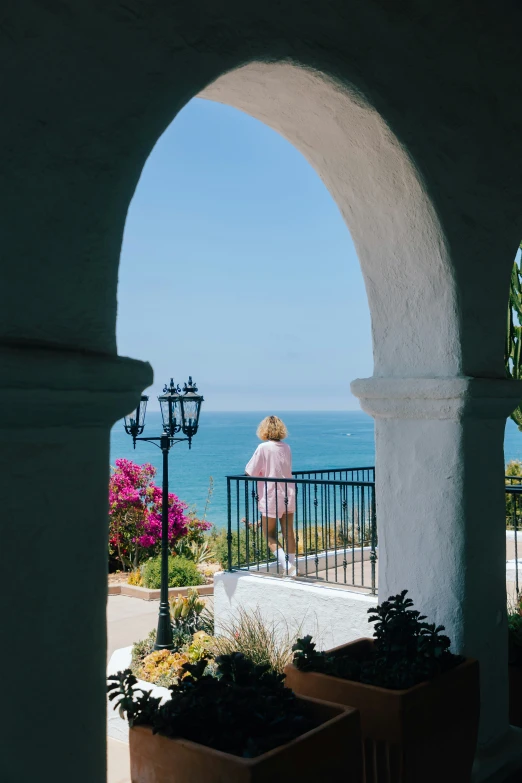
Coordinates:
[237,723]
[417,699]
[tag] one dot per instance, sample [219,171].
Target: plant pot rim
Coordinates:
[339,710]
[378,688]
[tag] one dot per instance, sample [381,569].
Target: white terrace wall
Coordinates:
[332,615]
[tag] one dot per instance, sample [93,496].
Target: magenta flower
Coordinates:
[135,510]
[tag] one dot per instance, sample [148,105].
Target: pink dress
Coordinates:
[273,459]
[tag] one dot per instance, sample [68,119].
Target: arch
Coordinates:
[398,237]
[408,153]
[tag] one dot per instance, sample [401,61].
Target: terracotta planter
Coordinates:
[424,734]
[332,749]
[515,695]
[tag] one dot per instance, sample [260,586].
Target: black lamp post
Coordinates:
[180,413]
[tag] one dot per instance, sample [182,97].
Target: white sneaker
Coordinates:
[292,571]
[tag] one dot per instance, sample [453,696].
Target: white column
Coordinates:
[441,513]
[56,410]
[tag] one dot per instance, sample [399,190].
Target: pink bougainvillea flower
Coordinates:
[135,511]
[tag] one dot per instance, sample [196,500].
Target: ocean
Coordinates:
[225,442]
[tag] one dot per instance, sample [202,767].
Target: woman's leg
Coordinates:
[270,531]
[269,526]
[287,528]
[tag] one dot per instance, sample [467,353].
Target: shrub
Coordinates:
[182,573]
[141,649]
[514,471]
[311,539]
[244,710]
[192,629]
[165,667]
[194,544]
[515,632]
[135,578]
[267,644]
[406,650]
[219,547]
[162,667]
[515,639]
[135,514]
[189,616]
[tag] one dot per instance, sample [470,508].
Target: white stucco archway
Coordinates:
[380,193]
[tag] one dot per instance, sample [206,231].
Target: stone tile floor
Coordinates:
[118,768]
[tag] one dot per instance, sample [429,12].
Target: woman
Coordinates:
[276,500]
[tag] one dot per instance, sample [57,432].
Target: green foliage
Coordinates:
[406,650]
[247,540]
[308,659]
[265,643]
[250,539]
[189,616]
[515,639]
[166,667]
[515,632]
[138,706]
[194,544]
[513,348]
[244,709]
[141,649]
[514,471]
[200,553]
[182,573]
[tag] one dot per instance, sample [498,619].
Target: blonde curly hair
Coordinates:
[272,428]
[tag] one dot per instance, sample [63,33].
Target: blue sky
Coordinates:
[238,269]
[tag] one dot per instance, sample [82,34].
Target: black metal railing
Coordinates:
[334,523]
[341,474]
[513,520]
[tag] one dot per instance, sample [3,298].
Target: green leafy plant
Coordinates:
[265,643]
[190,620]
[244,709]
[514,614]
[406,650]
[135,578]
[515,639]
[189,616]
[513,347]
[514,471]
[166,667]
[307,658]
[182,573]
[247,546]
[135,704]
[141,649]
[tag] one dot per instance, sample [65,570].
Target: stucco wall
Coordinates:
[333,615]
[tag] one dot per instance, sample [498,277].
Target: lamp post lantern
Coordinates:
[180,413]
